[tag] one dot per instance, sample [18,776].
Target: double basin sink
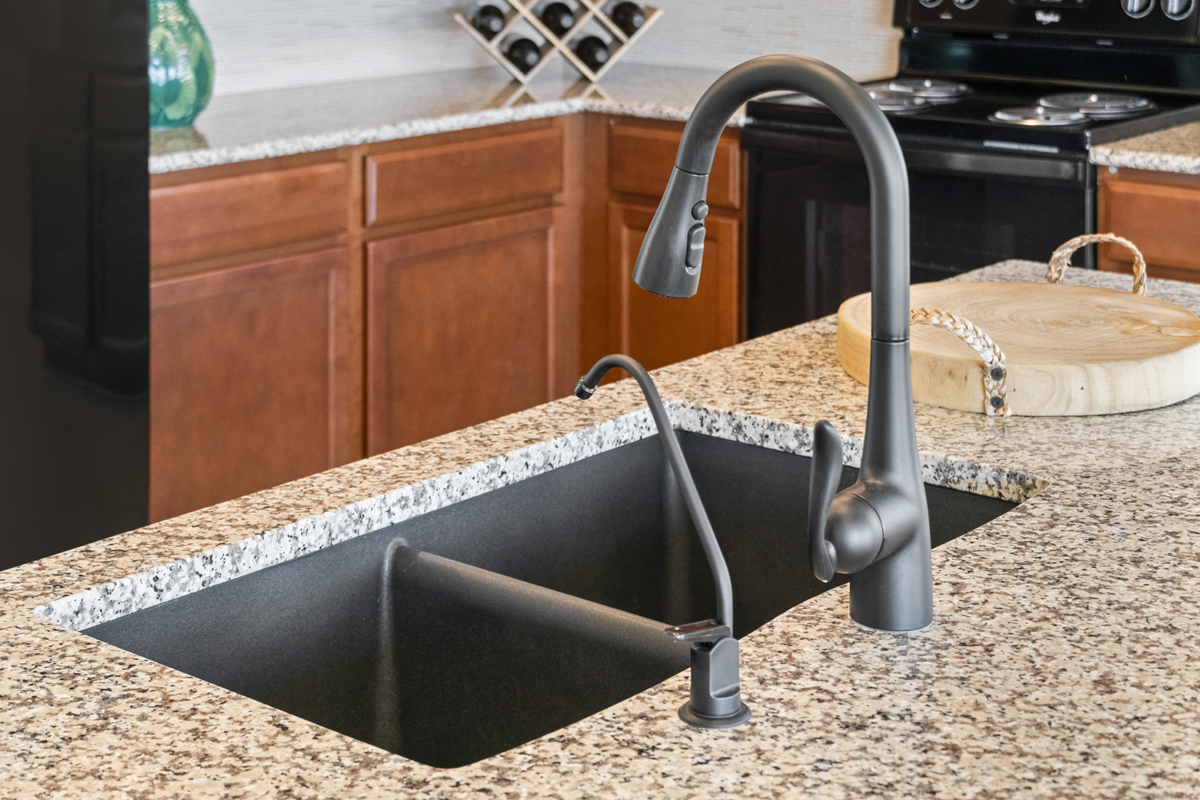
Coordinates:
[467,631]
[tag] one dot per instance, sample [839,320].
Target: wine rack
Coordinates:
[586,10]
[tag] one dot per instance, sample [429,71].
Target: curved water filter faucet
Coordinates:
[877,530]
[716,696]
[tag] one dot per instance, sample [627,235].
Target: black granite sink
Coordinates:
[473,629]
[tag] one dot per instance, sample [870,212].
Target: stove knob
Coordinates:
[931,3]
[965,4]
[1178,9]
[1137,8]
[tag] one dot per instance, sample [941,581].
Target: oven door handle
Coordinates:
[949,158]
[1002,165]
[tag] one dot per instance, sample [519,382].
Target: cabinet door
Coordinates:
[249,379]
[461,326]
[657,330]
[1155,211]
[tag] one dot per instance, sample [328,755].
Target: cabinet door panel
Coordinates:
[249,379]
[641,160]
[460,326]
[1155,217]
[656,330]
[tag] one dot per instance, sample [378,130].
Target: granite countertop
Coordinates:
[1172,150]
[1063,660]
[245,127]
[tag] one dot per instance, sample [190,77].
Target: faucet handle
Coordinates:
[706,632]
[823,483]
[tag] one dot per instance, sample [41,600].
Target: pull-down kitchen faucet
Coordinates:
[878,529]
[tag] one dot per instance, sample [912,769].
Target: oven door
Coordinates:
[808,218]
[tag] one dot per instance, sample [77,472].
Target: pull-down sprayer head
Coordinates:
[669,261]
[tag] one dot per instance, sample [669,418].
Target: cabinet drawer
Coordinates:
[641,159]
[1158,218]
[232,215]
[430,182]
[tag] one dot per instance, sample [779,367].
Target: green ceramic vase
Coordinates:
[181,65]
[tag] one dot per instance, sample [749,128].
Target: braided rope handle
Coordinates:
[995,372]
[1062,258]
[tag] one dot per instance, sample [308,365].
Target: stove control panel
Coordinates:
[1176,21]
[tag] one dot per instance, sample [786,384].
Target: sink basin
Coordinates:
[467,631]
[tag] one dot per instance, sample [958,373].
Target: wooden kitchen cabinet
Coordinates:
[221,216]
[461,326]
[1158,212]
[310,310]
[250,379]
[634,160]
[458,177]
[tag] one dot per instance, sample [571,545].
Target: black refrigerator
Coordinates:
[74,274]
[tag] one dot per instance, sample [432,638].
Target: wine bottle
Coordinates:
[559,18]
[488,20]
[593,51]
[522,52]
[629,17]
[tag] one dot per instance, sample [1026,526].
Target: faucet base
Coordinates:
[701,721]
[896,594]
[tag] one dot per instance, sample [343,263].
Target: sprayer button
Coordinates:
[700,210]
[695,250]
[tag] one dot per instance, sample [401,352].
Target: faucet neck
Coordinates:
[872,132]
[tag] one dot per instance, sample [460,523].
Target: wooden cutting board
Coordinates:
[1070,350]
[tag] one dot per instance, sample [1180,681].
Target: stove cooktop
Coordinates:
[967,112]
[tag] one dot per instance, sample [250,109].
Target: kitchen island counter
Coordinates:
[1062,662]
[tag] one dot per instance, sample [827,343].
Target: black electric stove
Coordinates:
[996,104]
[970,118]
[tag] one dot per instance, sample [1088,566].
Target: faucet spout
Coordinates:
[586,387]
[668,252]
[716,696]
[877,530]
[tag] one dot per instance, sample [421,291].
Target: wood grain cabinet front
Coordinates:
[214,217]
[455,178]
[462,325]
[312,309]
[641,157]
[248,379]
[1157,211]
[657,330]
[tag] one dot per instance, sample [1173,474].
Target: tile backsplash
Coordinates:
[271,44]
[854,35]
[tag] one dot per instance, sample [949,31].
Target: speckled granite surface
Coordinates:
[245,127]
[1172,150]
[1062,663]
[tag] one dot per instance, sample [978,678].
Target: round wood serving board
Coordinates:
[1070,350]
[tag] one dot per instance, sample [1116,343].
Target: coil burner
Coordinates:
[1038,116]
[1096,105]
[932,90]
[890,102]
